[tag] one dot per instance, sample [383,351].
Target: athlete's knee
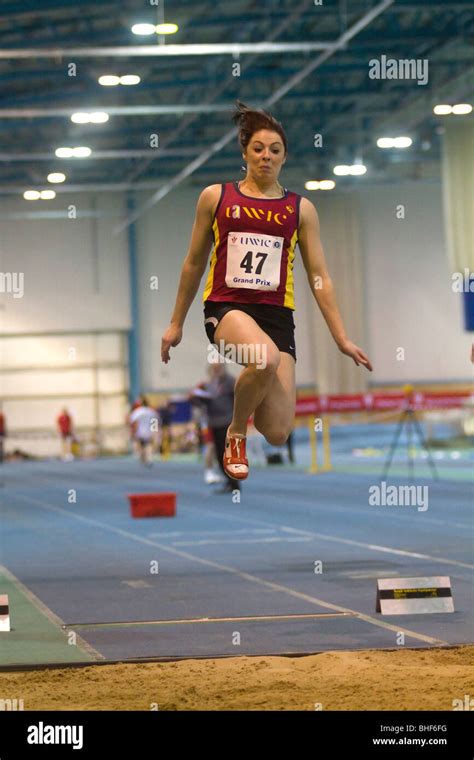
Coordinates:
[268,361]
[277,437]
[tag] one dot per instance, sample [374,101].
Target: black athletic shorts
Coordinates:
[276,321]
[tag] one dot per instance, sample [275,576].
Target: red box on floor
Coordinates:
[152,504]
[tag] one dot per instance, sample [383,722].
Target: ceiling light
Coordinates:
[130,79]
[341,170]
[56,177]
[47,195]
[385,142]
[402,142]
[442,110]
[462,108]
[98,117]
[109,80]
[143,29]
[31,195]
[327,184]
[357,169]
[311,184]
[166,28]
[81,152]
[80,118]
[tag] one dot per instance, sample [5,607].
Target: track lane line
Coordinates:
[234,571]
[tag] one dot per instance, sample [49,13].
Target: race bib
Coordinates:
[253,261]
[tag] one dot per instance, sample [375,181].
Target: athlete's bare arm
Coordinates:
[193,267]
[320,282]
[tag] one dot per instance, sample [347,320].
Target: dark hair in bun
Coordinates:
[250,121]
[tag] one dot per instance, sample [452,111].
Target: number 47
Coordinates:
[246,262]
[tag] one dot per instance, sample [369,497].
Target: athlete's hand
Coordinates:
[350,349]
[171,337]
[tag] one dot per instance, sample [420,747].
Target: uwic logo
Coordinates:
[46,734]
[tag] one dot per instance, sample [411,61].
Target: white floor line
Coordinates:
[215,533]
[239,541]
[400,516]
[377,548]
[52,617]
[226,568]
[322,536]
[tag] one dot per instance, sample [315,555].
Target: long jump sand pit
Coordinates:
[410,679]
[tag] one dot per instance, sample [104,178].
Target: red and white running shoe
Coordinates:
[235,459]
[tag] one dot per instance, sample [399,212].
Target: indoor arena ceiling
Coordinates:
[185,100]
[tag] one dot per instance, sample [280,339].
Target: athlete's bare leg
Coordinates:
[259,380]
[274,416]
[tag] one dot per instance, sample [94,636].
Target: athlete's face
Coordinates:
[265,154]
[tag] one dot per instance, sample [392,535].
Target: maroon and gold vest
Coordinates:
[254,248]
